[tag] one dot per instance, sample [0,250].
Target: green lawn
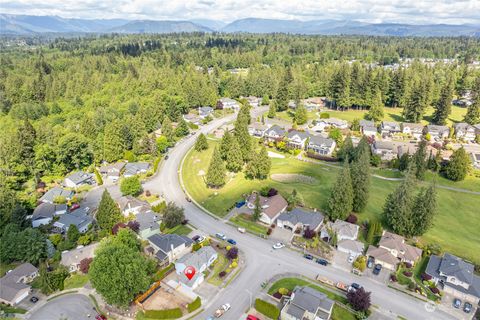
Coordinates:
[340,313]
[220,265]
[181,230]
[75,281]
[244,221]
[9,309]
[455,227]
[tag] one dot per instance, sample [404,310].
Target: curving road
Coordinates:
[262,262]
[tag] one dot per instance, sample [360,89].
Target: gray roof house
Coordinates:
[297,139]
[438,132]
[131,205]
[149,224]
[275,133]
[464,131]
[368,128]
[112,171]
[344,230]
[413,129]
[134,168]
[44,213]
[227,103]
[307,303]
[475,159]
[389,128]
[168,247]
[385,149]
[354,248]
[71,259]
[200,260]
[55,192]
[14,285]
[204,112]
[456,275]
[321,145]
[79,178]
[257,129]
[300,218]
[78,218]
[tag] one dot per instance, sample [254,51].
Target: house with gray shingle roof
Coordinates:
[79,218]
[368,128]
[300,218]
[169,247]
[227,103]
[354,248]
[43,214]
[343,229]
[204,112]
[321,145]
[456,276]
[307,303]
[72,258]
[438,132]
[275,133]
[385,149]
[134,168]
[52,194]
[200,260]
[389,128]
[14,285]
[78,179]
[297,139]
[413,129]
[149,224]
[112,171]
[464,131]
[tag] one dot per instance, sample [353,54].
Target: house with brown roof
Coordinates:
[392,250]
[271,207]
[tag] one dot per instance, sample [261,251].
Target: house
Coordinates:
[477,128]
[389,128]
[14,285]
[475,159]
[57,192]
[404,147]
[169,247]
[462,102]
[257,129]
[321,145]
[134,168]
[43,214]
[297,139]
[456,276]
[314,103]
[271,207]
[353,248]
[131,205]
[149,224]
[112,171]
[414,130]
[438,132]
[78,179]
[72,258]
[204,112]
[274,133]
[200,260]
[192,118]
[384,149]
[292,104]
[227,103]
[79,218]
[335,123]
[343,229]
[464,131]
[254,101]
[300,219]
[392,250]
[368,128]
[307,303]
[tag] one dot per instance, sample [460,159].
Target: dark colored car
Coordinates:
[166,157]
[370,262]
[34,299]
[323,262]
[239,204]
[377,269]
[250,317]
[308,256]
[100,317]
[231,241]
[356,286]
[457,303]
[195,238]
[467,307]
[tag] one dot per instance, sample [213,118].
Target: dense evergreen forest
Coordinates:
[69,103]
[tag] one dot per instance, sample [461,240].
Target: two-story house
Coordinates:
[200,260]
[227,103]
[254,102]
[271,207]
[132,206]
[112,171]
[368,128]
[44,213]
[300,218]
[385,149]
[389,128]
[343,229]
[204,112]
[321,145]
[168,247]
[274,133]
[257,129]
[437,133]
[464,131]
[297,139]
[56,192]
[134,168]
[72,258]
[415,130]
[14,284]
[78,179]
[306,303]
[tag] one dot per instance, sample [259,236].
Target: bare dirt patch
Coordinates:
[293,178]
[165,298]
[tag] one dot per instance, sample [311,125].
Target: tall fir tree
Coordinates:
[167,130]
[301,114]
[473,111]
[114,141]
[283,93]
[264,164]
[346,150]
[458,166]
[243,137]
[257,211]
[225,144]
[108,213]
[340,87]
[340,203]
[201,143]
[376,112]
[416,102]
[420,159]
[272,110]
[234,161]
[360,173]
[443,107]
[215,177]
[424,210]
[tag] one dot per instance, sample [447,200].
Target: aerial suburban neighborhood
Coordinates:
[250,169]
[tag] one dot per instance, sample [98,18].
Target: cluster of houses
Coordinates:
[114,171]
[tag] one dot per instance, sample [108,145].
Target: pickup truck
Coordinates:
[220,311]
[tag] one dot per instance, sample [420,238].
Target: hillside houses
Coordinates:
[166,248]
[78,179]
[14,286]
[415,130]
[321,145]
[44,213]
[384,149]
[368,128]
[112,171]
[134,168]
[389,128]
[55,193]
[274,133]
[204,112]
[132,206]
[257,129]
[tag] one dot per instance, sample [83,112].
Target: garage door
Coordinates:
[21,297]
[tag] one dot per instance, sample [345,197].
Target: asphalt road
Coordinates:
[68,307]
[262,262]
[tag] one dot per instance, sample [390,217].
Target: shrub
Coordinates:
[131,186]
[412,285]
[267,309]
[264,191]
[277,295]
[148,193]
[434,290]
[407,265]
[234,265]
[232,253]
[272,192]
[164,314]
[324,115]
[269,231]
[222,274]
[407,273]
[117,227]
[85,265]
[159,207]
[359,299]
[426,277]
[393,278]
[309,233]
[352,219]
[272,226]
[283,291]
[197,303]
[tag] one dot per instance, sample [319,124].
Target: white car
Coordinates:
[278,245]
[220,236]
[351,259]
[201,239]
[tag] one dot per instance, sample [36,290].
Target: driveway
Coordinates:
[340,260]
[71,306]
[281,235]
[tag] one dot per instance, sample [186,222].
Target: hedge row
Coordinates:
[164,314]
[267,309]
[197,303]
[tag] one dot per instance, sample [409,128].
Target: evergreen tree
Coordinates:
[360,173]
[458,166]
[201,143]
[167,130]
[216,171]
[234,159]
[420,159]
[283,93]
[182,129]
[272,108]
[434,161]
[340,203]
[443,107]
[404,161]
[257,211]
[340,87]
[362,147]
[301,114]
[346,150]
[473,111]
[416,103]
[243,137]
[114,141]
[264,164]
[424,209]
[108,213]
[225,144]
[376,109]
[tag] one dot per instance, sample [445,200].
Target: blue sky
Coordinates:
[398,11]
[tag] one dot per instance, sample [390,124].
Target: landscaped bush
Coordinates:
[85,265]
[283,291]
[407,273]
[393,278]
[232,253]
[222,274]
[272,192]
[277,295]
[434,290]
[324,115]
[197,303]
[164,314]
[273,225]
[264,191]
[267,309]
[309,233]
[426,277]
[407,265]
[412,286]
[352,219]
[269,231]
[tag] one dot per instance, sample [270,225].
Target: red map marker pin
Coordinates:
[189,272]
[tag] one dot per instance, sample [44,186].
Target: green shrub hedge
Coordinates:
[267,309]
[164,314]
[197,303]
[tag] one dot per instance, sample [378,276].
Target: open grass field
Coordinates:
[181,230]
[75,281]
[455,228]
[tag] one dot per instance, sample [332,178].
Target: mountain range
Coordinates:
[31,25]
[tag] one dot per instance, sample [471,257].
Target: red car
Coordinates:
[100,317]
[250,317]
[74,206]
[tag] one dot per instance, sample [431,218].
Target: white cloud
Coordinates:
[399,11]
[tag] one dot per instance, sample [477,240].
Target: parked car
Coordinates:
[457,303]
[231,241]
[377,269]
[100,317]
[251,317]
[220,236]
[308,256]
[356,286]
[166,157]
[467,307]
[220,311]
[33,299]
[239,204]
[188,199]
[323,262]
[278,245]
[351,259]
[74,206]
[370,262]
[199,239]
[241,230]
